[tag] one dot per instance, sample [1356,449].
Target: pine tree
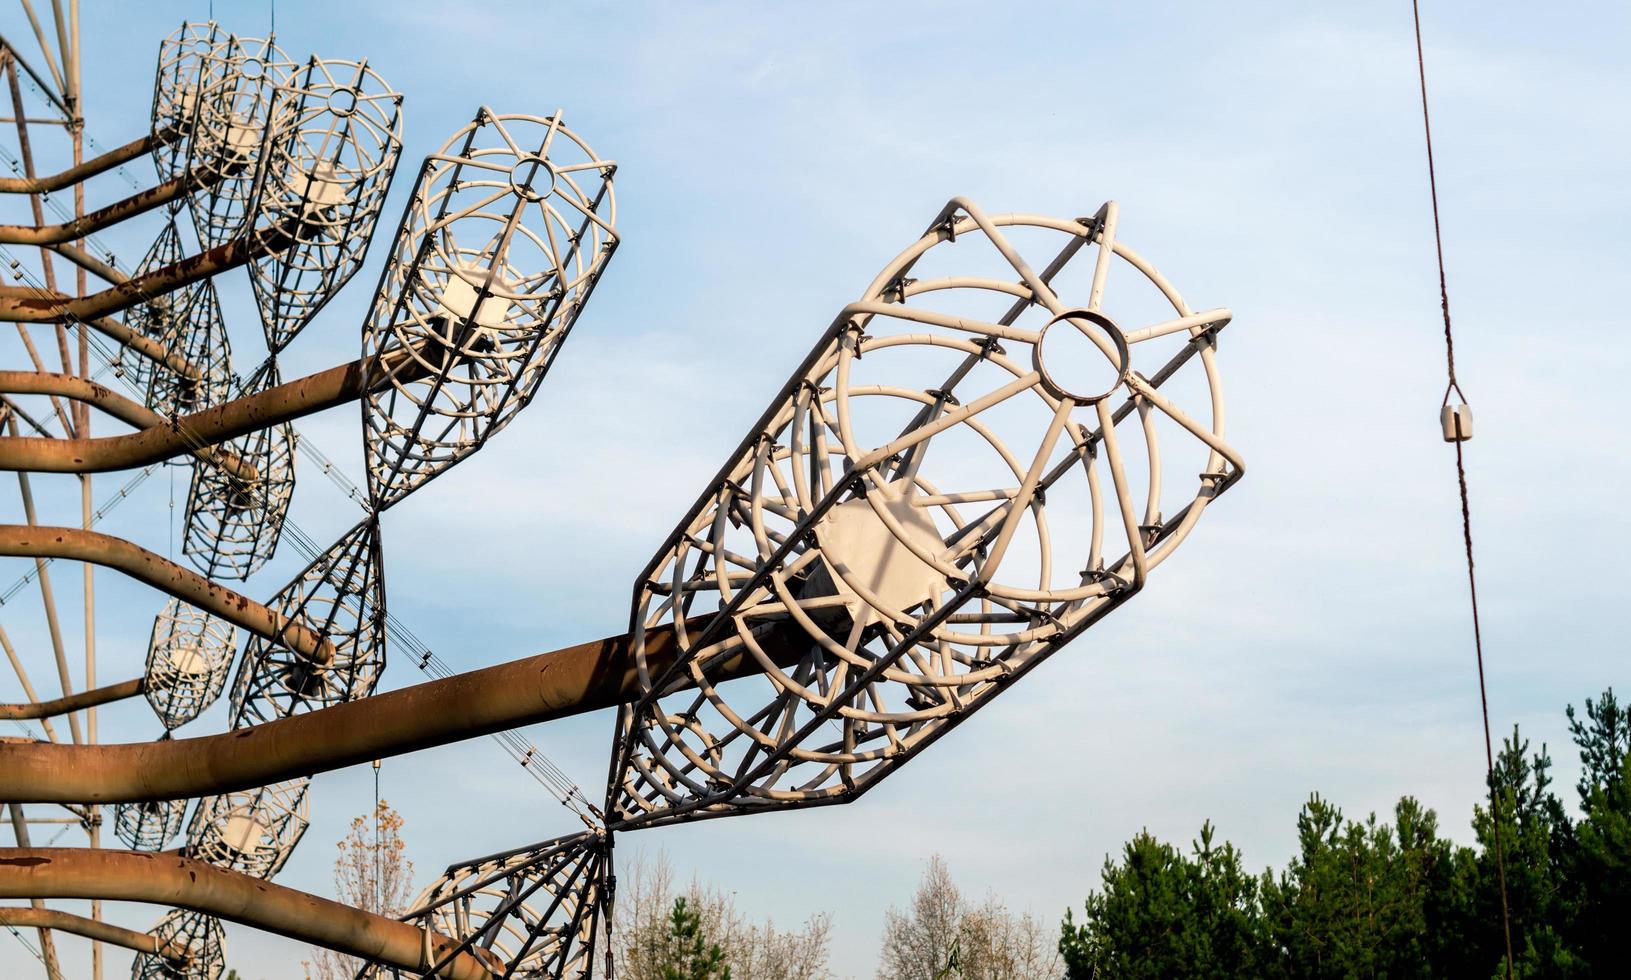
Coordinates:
[1602,854]
[688,954]
[1164,914]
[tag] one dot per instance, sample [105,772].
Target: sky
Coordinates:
[1313,634]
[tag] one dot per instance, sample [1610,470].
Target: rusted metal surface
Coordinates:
[553,685]
[138,203]
[141,942]
[160,440]
[170,879]
[29,305]
[75,544]
[49,455]
[90,168]
[74,702]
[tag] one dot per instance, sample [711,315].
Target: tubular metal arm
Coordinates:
[138,203]
[49,454]
[29,541]
[73,702]
[90,168]
[554,685]
[141,942]
[159,440]
[28,305]
[169,879]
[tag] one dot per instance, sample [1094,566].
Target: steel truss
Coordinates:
[992,448]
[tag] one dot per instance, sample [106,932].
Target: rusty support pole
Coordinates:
[38,454]
[26,152]
[85,699]
[11,62]
[22,678]
[29,305]
[547,687]
[48,945]
[160,439]
[78,544]
[141,942]
[47,596]
[139,203]
[115,157]
[50,62]
[169,879]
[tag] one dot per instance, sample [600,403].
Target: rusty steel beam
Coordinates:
[578,679]
[139,203]
[48,942]
[90,168]
[24,304]
[161,440]
[170,879]
[76,544]
[48,454]
[89,263]
[130,339]
[141,942]
[31,710]
[145,346]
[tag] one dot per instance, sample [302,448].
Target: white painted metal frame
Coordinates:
[233,524]
[188,658]
[532,912]
[203,938]
[341,595]
[149,826]
[336,135]
[508,231]
[252,831]
[925,512]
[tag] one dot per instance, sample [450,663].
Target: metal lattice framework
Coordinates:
[251,831]
[1016,423]
[199,935]
[150,825]
[532,912]
[233,523]
[341,595]
[189,71]
[324,175]
[926,510]
[161,315]
[230,131]
[198,334]
[507,233]
[188,658]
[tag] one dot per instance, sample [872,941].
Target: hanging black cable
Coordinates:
[1456,432]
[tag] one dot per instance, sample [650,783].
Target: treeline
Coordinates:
[1360,899]
[1377,899]
[663,932]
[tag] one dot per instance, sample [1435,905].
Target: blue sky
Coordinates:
[1312,635]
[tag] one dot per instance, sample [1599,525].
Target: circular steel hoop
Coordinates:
[1124,360]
